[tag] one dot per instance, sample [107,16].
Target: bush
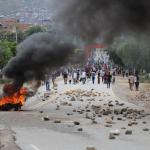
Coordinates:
[145,78]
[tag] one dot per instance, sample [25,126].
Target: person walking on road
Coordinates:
[53,79]
[78,75]
[70,78]
[102,75]
[83,77]
[98,77]
[123,73]
[105,78]
[136,81]
[93,76]
[65,76]
[113,78]
[131,81]
[47,82]
[109,76]
[74,77]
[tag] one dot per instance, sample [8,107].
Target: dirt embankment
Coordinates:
[141,97]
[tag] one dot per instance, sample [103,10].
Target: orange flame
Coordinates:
[16,98]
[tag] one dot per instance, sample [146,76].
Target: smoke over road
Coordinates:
[106,19]
[38,53]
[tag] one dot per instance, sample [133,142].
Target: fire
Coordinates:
[16,98]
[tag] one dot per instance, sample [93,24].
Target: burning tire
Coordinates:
[12,100]
[9,107]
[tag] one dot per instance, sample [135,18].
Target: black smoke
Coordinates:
[106,19]
[39,53]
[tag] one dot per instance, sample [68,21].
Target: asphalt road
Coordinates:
[72,121]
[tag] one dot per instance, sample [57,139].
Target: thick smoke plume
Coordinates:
[36,55]
[106,19]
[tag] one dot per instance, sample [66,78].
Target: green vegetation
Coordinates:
[116,59]
[7,50]
[10,36]
[8,43]
[34,29]
[131,53]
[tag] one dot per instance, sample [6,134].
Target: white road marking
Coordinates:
[34,147]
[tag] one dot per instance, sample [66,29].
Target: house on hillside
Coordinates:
[10,25]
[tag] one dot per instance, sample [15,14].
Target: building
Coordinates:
[11,25]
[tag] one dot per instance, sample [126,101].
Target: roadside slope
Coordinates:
[139,98]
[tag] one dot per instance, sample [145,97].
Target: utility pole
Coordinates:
[16,34]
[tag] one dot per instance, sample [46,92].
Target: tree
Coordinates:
[7,51]
[34,29]
[115,58]
[10,36]
[133,52]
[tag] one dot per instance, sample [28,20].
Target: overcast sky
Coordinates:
[13,4]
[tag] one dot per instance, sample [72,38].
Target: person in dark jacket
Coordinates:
[104,78]
[98,77]
[65,76]
[109,76]
[136,81]
[47,82]
[93,76]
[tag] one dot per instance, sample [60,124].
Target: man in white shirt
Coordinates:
[75,77]
[83,76]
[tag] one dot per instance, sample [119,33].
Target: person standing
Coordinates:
[109,76]
[127,73]
[102,75]
[105,78]
[113,77]
[74,77]
[83,77]
[65,75]
[47,82]
[78,75]
[70,77]
[53,79]
[131,81]
[136,81]
[98,77]
[123,73]
[93,76]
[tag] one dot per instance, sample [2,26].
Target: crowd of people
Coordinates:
[83,75]
[94,75]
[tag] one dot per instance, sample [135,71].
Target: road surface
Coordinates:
[78,116]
